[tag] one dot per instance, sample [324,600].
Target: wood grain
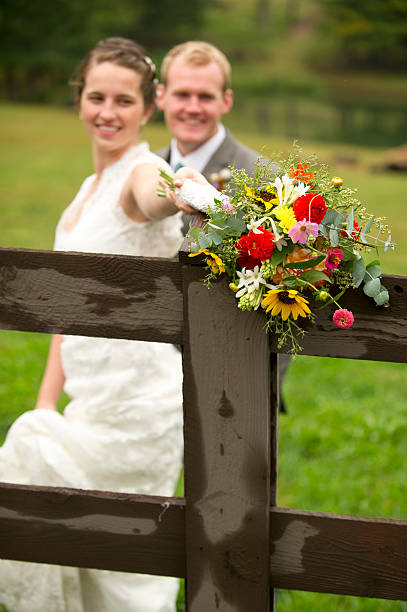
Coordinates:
[227,451]
[103,530]
[329,553]
[111,296]
[379,333]
[311,551]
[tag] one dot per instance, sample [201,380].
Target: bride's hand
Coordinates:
[194,193]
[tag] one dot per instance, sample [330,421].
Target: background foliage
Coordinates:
[41,42]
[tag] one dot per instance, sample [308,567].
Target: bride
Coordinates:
[122,429]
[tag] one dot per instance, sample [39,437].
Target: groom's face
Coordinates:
[193,100]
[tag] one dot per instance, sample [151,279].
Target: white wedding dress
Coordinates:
[122,430]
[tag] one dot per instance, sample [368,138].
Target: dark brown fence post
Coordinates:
[227,451]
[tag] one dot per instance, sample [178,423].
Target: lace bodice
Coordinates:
[98,224]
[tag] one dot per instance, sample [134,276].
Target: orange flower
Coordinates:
[301,173]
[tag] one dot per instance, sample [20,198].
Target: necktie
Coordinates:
[178,166]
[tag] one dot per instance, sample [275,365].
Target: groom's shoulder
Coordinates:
[235,152]
[164,153]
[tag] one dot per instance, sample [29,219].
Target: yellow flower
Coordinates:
[287,302]
[286,216]
[266,196]
[213,260]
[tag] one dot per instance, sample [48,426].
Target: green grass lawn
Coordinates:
[343,442]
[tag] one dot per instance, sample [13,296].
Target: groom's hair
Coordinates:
[123,52]
[197,53]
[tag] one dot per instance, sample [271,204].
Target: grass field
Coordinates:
[343,443]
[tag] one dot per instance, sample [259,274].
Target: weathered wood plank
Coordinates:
[113,296]
[92,529]
[227,451]
[310,551]
[330,553]
[379,333]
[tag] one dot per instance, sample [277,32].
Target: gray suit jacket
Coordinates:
[230,152]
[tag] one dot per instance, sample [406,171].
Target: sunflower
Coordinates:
[287,302]
[213,261]
[266,196]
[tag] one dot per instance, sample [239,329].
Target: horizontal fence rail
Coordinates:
[311,551]
[111,296]
[230,439]
[137,298]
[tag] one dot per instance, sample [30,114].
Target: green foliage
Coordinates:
[42,42]
[365,33]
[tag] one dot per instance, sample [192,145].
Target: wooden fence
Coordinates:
[227,537]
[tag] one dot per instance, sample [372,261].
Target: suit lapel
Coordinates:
[222,157]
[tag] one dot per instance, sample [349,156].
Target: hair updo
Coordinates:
[123,52]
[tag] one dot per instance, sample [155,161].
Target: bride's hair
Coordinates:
[123,52]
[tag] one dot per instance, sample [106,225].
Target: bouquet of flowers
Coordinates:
[285,234]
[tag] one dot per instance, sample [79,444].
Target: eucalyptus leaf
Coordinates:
[348,254]
[349,223]
[372,288]
[322,230]
[379,231]
[214,236]
[388,244]
[203,241]
[358,271]
[193,247]
[333,237]
[195,232]
[340,219]
[330,217]
[372,271]
[236,224]
[366,229]
[382,298]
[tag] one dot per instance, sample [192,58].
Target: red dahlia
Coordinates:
[310,202]
[255,248]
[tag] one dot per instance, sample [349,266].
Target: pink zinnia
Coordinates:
[333,259]
[301,231]
[343,318]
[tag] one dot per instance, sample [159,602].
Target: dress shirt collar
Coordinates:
[199,158]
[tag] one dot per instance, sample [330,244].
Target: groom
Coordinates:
[194,95]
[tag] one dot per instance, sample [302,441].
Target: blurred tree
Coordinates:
[41,42]
[369,33]
[168,22]
[263,15]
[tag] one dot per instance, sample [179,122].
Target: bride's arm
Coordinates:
[53,379]
[141,201]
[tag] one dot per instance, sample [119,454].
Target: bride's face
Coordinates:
[112,107]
